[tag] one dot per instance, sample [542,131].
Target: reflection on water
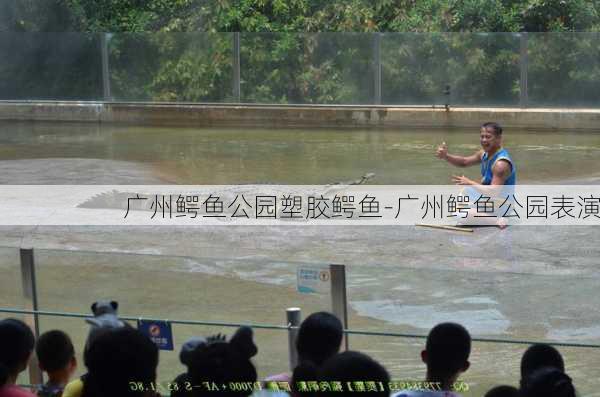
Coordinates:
[477,321]
[297,156]
[585,334]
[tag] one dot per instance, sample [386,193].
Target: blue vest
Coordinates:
[487,164]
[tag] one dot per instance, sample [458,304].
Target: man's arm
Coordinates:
[459,161]
[500,173]
[467,161]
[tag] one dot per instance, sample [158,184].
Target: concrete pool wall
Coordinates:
[319,116]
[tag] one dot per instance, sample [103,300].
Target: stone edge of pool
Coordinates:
[320,116]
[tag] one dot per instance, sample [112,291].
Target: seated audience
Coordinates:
[16,346]
[121,361]
[546,382]
[56,356]
[355,371]
[218,363]
[446,355]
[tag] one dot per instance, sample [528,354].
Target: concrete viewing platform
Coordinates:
[315,116]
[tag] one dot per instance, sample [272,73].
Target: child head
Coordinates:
[116,357]
[319,337]
[538,356]
[447,351]
[547,381]
[56,355]
[188,348]
[16,345]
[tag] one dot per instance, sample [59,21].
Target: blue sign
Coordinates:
[158,331]
[313,279]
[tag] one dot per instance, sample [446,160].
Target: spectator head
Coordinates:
[547,381]
[350,366]
[538,356]
[187,349]
[223,362]
[55,352]
[447,351]
[117,357]
[16,345]
[105,318]
[503,391]
[319,337]
[492,127]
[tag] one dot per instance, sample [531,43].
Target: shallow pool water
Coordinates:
[299,156]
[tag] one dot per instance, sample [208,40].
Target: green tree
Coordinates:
[181,50]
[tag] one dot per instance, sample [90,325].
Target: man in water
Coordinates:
[497,167]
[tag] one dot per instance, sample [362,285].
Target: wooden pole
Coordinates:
[446,227]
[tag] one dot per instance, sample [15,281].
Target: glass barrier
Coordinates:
[497,290]
[12,293]
[563,69]
[11,286]
[50,66]
[461,69]
[492,364]
[246,291]
[318,68]
[171,67]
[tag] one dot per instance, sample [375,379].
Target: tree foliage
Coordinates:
[301,51]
